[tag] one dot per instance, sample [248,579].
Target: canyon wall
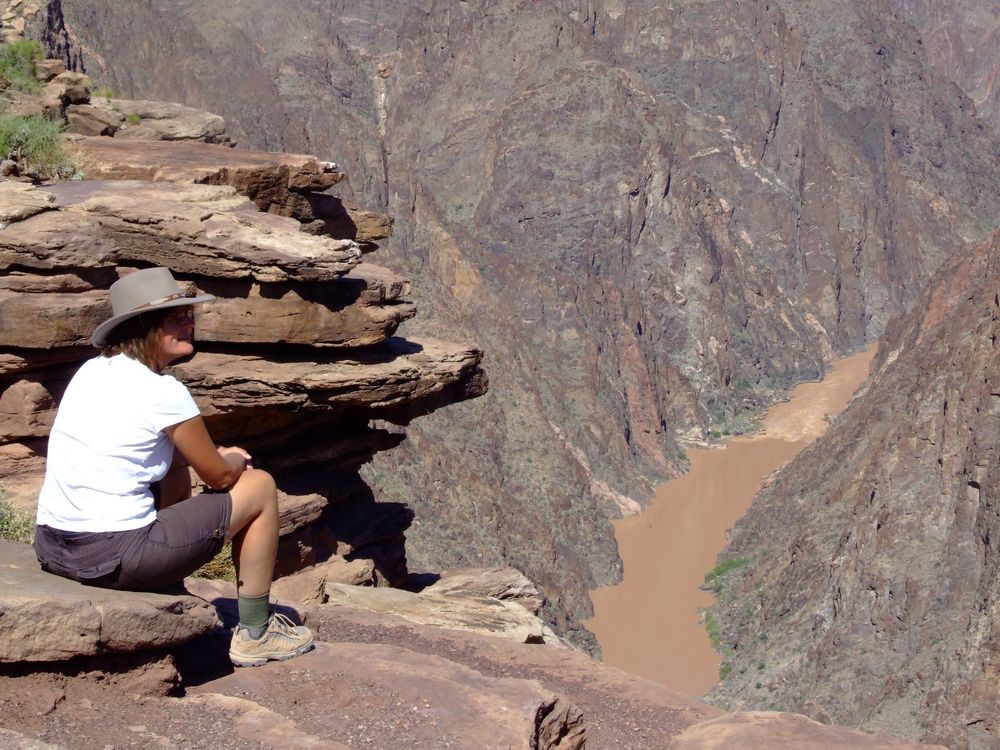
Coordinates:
[652,217]
[962,38]
[871,590]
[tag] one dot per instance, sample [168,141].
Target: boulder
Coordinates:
[309,586]
[87,119]
[47,618]
[49,69]
[75,87]
[508,584]
[169,121]
[478,614]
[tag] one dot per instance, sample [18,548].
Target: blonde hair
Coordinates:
[137,338]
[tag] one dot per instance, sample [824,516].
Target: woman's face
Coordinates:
[176,339]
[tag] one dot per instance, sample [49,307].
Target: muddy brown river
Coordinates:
[651,623]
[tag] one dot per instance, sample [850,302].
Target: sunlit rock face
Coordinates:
[871,590]
[651,216]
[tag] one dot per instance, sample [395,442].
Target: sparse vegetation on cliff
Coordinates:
[34,141]
[715,577]
[17,64]
[15,524]
[104,92]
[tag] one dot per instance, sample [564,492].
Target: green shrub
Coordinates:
[713,579]
[132,119]
[105,92]
[17,64]
[715,636]
[16,525]
[34,141]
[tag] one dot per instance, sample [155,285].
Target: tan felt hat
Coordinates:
[140,292]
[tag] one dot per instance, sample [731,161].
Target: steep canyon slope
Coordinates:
[872,593]
[652,217]
[962,38]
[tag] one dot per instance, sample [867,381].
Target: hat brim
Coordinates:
[102,331]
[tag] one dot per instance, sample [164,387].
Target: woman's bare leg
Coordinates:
[253,527]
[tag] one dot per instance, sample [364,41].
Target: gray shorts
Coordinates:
[183,537]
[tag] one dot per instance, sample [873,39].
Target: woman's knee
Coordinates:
[257,483]
[254,494]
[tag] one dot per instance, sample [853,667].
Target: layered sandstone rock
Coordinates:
[297,355]
[872,589]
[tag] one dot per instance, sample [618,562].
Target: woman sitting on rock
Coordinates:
[116,509]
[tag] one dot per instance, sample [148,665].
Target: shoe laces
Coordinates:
[281,625]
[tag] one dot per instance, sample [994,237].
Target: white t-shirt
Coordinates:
[107,446]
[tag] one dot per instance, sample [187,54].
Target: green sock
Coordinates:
[254,611]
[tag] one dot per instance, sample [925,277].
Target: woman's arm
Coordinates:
[219,468]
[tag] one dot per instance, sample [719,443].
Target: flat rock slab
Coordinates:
[456,611]
[47,618]
[773,730]
[167,121]
[380,695]
[19,201]
[509,584]
[398,373]
[201,230]
[192,161]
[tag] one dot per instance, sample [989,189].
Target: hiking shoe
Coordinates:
[282,639]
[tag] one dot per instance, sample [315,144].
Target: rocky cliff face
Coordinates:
[962,38]
[653,217]
[872,593]
[297,358]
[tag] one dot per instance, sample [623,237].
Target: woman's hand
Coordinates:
[235,450]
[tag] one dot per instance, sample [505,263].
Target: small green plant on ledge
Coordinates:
[16,525]
[104,92]
[132,118]
[18,64]
[33,141]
